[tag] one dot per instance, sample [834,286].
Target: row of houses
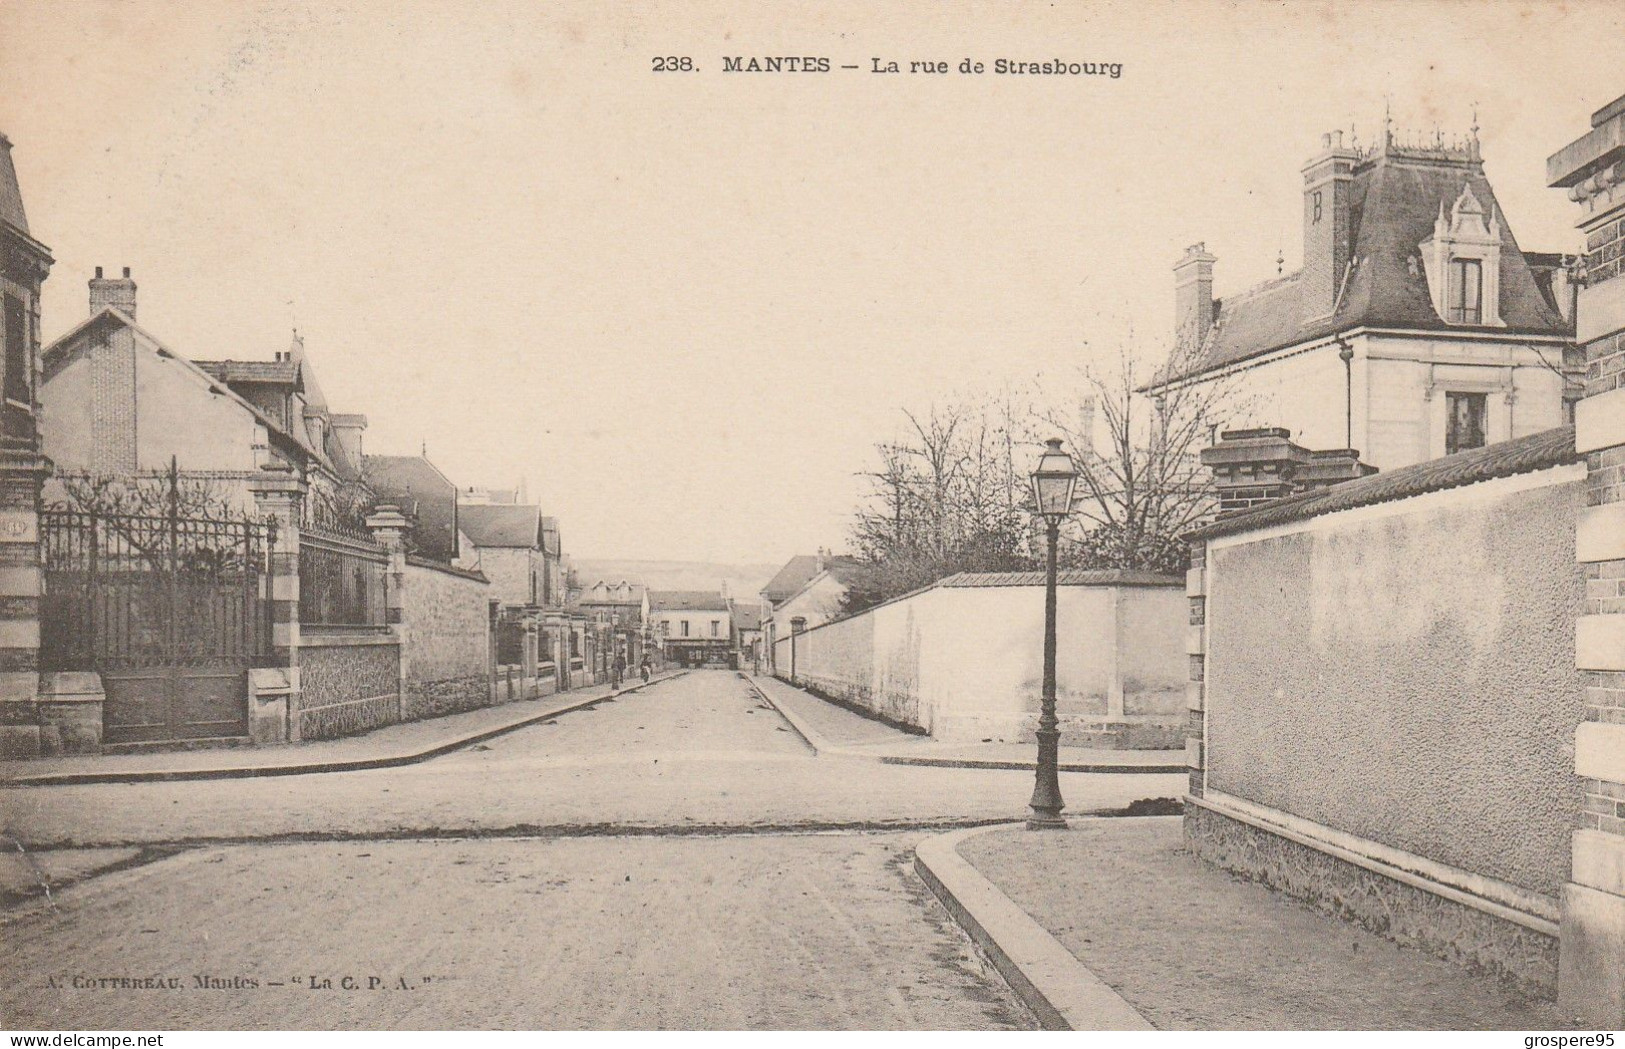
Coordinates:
[690,628]
[206,548]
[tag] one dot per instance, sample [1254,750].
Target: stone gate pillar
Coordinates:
[388,527]
[27,728]
[273,714]
[24,719]
[1591,961]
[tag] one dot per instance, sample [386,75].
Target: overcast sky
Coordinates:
[685,306]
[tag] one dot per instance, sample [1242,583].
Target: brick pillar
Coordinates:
[388,527]
[1196,649]
[22,474]
[1255,466]
[278,498]
[1591,966]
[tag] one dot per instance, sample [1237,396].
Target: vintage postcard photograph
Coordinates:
[821,516]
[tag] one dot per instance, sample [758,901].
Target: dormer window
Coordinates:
[1466,292]
[1462,262]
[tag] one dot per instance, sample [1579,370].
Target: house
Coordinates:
[1416,327]
[426,496]
[23,268]
[111,392]
[747,617]
[504,541]
[806,592]
[693,627]
[623,606]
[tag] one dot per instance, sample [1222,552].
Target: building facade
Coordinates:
[112,392]
[1417,327]
[807,592]
[693,627]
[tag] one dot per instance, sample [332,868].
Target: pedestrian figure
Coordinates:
[619,671]
[643,669]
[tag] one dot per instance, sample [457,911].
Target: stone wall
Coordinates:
[446,644]
[349,683]
[963,660]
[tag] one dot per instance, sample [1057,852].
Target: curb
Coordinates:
[821,745]
[1060,990]
[809,735]
[64,779]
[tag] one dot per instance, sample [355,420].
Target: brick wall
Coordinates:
[1605,251]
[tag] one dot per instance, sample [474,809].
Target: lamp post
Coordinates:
[1053,482]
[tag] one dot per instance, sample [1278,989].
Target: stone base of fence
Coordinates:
[70,713]
[349,682]
[19,729]
[1401,905]
[432,699]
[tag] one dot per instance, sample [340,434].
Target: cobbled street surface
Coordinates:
[675,858]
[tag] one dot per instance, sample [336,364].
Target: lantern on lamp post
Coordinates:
[1053,483]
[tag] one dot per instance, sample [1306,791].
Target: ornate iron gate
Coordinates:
[171,611]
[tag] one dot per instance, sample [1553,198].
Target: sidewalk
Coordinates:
[832,729]
[1189,947]
[393,745]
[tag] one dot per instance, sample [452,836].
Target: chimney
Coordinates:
[118,293]
[1328,185]
[1193,292]
[347,430]
[1253,467]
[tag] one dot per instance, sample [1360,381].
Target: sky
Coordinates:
[684,306]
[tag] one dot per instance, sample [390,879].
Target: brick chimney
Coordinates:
[1253,467]
[1193,292]
[117,292]
[1328,184]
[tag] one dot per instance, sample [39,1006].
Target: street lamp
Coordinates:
[1053,482]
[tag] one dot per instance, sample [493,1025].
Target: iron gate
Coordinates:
[171,611]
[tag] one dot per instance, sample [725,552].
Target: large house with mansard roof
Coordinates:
[1416,327]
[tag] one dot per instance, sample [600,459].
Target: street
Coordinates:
[675,858]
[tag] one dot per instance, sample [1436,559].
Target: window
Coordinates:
[685,628]
[1466,293]
[1464,424]
[16,337]
[715,626]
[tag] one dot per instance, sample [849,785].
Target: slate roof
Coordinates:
[1538,451]
[551,545]
[501,524]
[747,617]
[1395,200]
[687,601]
[414,484]
[802,569]
[11,195]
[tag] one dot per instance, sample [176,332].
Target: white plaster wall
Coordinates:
[967,662]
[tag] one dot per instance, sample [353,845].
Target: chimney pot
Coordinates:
[117,292]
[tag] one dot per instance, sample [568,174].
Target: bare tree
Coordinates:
[1137,434]
[947,497]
